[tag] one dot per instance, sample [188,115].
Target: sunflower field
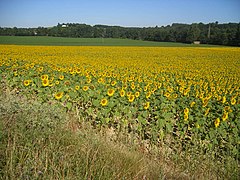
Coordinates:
[189,94]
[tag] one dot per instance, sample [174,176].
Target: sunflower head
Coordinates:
[110,92]
[148,95]
[147,105]
[85,88]
[45,82]
[137,94]
[186,111]
[131,98]
[58,95]
[78,70]
[217,122]
[40,69]
[67,83]
[227,108]
[192,104]
[26,82]
[61,77]
[44,77]
[185,117]
[104,102]
[122,93]
[224,99]
[132,86]
[233,101]
[225,116]
[77,87]
[100,80]
[167,94]
[207,111]
[175,96]
[113,83]
[89,80]
[145,88]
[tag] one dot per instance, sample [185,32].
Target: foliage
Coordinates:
[212,33]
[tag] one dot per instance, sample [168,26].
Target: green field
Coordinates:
[61,41]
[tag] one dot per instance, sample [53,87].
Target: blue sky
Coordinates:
[140,13]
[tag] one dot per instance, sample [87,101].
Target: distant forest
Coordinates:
[212,33]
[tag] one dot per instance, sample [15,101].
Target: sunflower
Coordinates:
[58,95]
[185,117]
[78,70]
[137,94]
[175,96]
[224,99]
[110,92]
[122,93]
[40,69]
[192,104]
[132,86]
[233,101]
[129,93]
[167,94]
[148,95]
[219,98]
[104,102]
[85,88]
[77,87]
[113,83]
[26,82]
[72,72]
[45,82]
[206,112]
[89,80]
[225,116]
[131,98]
[100,80]
[186,111]
[125,86]
[57,82]
[145,88]
[147,105]
[227,108]
[44,77]
[217,122]
[61,77]
[181,89]
[92,87]
[67,83]
[205,102]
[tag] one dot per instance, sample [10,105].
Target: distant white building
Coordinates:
[196,42]
[64,25]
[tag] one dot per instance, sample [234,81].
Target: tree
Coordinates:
[193,33]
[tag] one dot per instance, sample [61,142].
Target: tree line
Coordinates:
[212,33]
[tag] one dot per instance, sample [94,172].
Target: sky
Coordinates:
[127,13]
